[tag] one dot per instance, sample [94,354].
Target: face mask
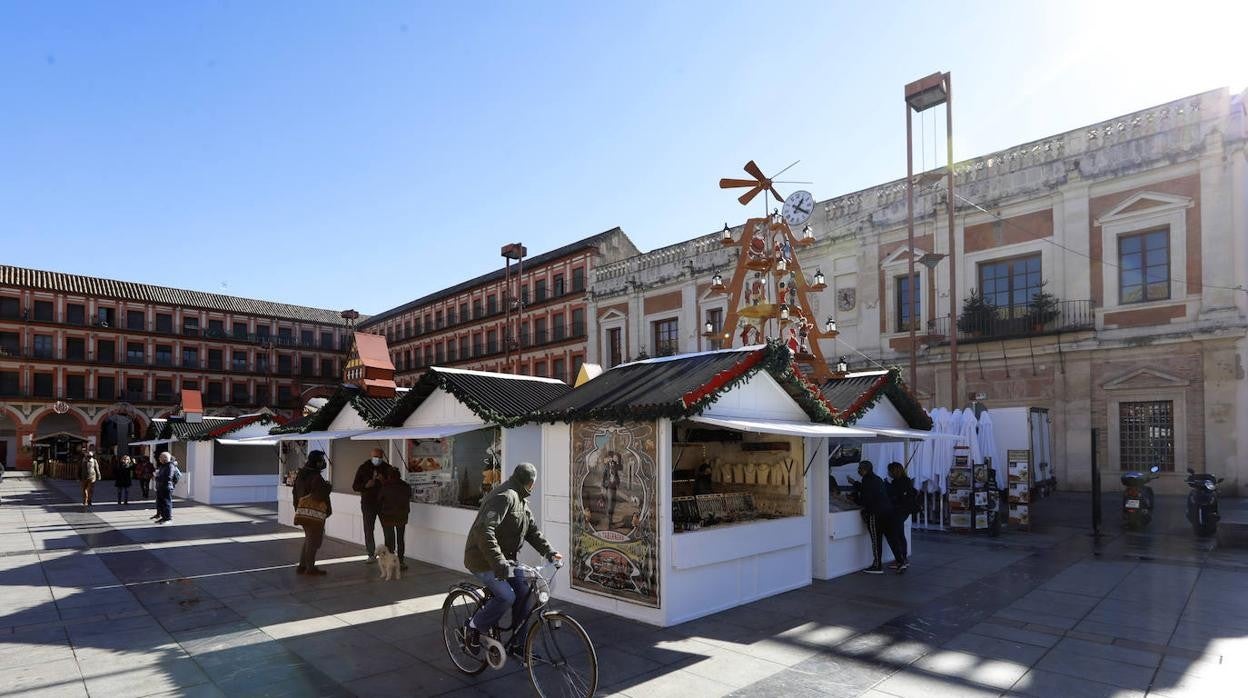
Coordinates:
[376,460]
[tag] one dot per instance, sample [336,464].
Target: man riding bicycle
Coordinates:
[503,524]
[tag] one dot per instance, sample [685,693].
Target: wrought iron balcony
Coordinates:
[1016,322]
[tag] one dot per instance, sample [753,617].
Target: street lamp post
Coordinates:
[921,95]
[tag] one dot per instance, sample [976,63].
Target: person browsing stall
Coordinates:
[368,480]
[310,484]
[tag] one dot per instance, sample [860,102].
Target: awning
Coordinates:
[310,436]
[884,434]
[785,427]
[152,442]
[440,431]
[248,442]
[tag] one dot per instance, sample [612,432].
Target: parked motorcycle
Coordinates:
[1202,502]
[1137,498]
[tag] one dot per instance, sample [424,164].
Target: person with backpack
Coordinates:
[312,508]
[905,499]
[395,506]
[167,477]
[143,473]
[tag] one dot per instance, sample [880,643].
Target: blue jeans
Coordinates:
[506,593]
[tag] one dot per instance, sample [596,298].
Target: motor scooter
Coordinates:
[1137,498]
[1202,503]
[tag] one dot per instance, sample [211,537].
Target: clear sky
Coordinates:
[361,154]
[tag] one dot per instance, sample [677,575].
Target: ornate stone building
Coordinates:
[1135,228]
[85,360]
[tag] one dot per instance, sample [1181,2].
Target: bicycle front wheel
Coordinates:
[561,658]
[457,610]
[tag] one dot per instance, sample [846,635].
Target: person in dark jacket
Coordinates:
[368,479]
[877,511]
[167,476]
[395,506]
[503,524]
[901,494]
[308,481]
[123,474]
[143,472]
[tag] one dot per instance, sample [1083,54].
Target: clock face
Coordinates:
[798,207]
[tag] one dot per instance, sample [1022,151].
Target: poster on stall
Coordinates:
[429,471]
[615,525]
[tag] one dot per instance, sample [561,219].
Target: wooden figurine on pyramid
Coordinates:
[773,301]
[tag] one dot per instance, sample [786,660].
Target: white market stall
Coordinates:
[222,461]
[455,438]
[683,486]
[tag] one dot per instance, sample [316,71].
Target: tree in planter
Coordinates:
[977,314]
[1043,308]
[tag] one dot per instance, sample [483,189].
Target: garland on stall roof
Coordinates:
[807,395]
[908,405]
[725,379]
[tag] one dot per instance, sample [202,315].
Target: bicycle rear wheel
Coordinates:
[560,657]
[457,610]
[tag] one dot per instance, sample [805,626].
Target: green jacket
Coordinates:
[503,524]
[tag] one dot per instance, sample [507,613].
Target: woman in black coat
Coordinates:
[901,493]
[123,476]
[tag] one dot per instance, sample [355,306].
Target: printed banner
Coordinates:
[615,496]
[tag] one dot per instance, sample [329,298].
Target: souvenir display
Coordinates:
[747,479]
[1020,487]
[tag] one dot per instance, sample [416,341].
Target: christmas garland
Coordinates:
[906,403]
[233,426]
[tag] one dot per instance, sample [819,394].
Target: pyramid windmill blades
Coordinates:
[727,183]
[749,195]
[752,168]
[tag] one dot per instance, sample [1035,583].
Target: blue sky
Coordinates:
[362,154]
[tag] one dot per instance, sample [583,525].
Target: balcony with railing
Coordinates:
[1016,322]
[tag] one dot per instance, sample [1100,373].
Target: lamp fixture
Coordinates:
[829,326]
[710,327]
[808,233]
[784,311]
[842,365]
[726,236]
[717,282]
[820,281]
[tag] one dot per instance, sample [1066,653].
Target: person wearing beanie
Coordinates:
[503,524]
[309,482]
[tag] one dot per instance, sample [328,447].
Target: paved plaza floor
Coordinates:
[104,603]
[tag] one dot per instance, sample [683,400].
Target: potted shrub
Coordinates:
[977,315]
[1042,309]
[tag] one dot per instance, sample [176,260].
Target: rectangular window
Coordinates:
[215,393]
[283,394]
[283,364]
[903,289]
[216,359]
[463,312]
[615,347]
[1146,435]
[539,290]
[136,320]
[428,355]
[307,338]
[428,322]
[556,369]
[261,395]
[164,389]
[106,317]
[44,311]
[164,355]
[524,294]
[105,351]
[539,369]
[558,286]
[263,332]
[1010,284]
[190,384]
[525,339]
[463,348]
[135,353]
[327,368]
[190,326]
[42,346]
[557,327]
[1144,267]
[164,323]
[450,316]
[666,337]
[239,394]
[307,367]
[450,350]
[43,385]
[285,336]
[407,360]
[75,349]
[476,309]
[238,362]
[10,344]
[715,319]
[216,328]
[262,362]
[578,322]
[578,279]
[10,385]
[327,338]
[190,358]
[240,330]
[577,362]
[105,388]
[10,308]
[439,354]
[76,387]
[491,304]
[438,323]
[136,390]
[76,314]
[491,342]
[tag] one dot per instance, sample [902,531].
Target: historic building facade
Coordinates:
[1135,230]
[85,360]
[537,327]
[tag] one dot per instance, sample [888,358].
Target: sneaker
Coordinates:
[316,572]
[905,565]
[874,569]
[371,559]
[163,520]
[472,639]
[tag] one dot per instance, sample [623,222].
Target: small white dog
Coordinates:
[388,564]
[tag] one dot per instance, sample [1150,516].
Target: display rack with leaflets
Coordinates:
[1020,488]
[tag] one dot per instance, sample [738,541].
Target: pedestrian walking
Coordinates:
[368,479]
[877,512]
[145,471]
[90,475]
[167,476]
[123,475]
[905,500]
[395,507]
[312,507]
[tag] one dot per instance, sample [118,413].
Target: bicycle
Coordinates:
[557,651]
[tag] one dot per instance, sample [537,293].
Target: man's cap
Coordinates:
[526,473]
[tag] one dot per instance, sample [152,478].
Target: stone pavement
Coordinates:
[103,603]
